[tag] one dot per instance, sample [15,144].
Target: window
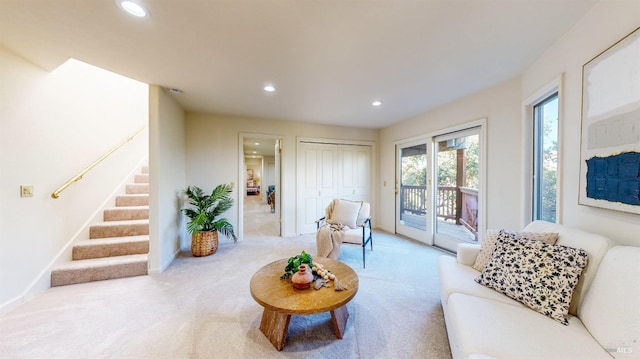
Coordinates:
[545,158]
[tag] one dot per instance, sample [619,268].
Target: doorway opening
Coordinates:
[259,186]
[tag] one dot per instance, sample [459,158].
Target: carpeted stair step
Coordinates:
[132,200]
[126,213]
[137,188]
[110,247]
[145,170]
[119,229]
[141,178]
[89,270]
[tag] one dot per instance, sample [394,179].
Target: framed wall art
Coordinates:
[610,142]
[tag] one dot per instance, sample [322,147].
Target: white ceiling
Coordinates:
[257,147]
[329,59]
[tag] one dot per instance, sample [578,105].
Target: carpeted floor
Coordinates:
[258,218]
[202,308]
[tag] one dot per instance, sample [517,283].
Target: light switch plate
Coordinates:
[26,191]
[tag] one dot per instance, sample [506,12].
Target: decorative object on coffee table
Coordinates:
[303,278]
[326,275]
[294,262]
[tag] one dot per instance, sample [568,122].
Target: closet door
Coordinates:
[317,182]
[354,172]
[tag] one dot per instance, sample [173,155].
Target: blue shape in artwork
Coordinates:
[629,169]
[600,166]
[615,178]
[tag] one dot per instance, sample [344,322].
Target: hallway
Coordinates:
[258,219]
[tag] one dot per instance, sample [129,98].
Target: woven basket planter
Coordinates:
[204,243]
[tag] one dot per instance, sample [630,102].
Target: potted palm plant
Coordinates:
[204,225]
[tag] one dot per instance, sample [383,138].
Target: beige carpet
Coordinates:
[258,219]
[202,308]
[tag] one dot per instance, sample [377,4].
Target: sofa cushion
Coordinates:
[490,328]
[354,236]
[610,307]
[489,244]
[345,212]
[537,274]
[454,277]
[467,253]
[595,245]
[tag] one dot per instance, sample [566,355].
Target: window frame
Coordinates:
[546,91]
[537,155]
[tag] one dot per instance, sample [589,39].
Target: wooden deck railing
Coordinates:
[459,204]
[413,199]
[447,202]
[468,216]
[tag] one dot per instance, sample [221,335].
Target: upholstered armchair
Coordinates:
[355,216]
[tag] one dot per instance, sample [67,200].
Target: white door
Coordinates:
[354,172]
[412,190]
[317,183]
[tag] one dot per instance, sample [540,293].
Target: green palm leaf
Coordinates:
[205,208]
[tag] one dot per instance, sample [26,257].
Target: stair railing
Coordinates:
[79,176]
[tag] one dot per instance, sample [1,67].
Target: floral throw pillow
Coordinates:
[537,274]
[489,243]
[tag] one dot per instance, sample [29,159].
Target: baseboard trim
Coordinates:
[164,267]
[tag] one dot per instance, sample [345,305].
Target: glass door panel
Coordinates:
[456,195]
[412,197]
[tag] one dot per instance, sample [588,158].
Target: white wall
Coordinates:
[213,153]
[53,125]
[501,106]
[607,22]
[167,228]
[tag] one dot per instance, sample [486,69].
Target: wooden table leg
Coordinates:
[339,318]
[275,325]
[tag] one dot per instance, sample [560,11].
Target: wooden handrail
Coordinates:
[78,177]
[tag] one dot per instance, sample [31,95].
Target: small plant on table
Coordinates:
[295,262]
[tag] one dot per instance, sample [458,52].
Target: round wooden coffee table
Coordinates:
[280,300]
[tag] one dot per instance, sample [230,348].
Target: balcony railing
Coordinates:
[458,204]
[447,197]
[468,216]
[413,200]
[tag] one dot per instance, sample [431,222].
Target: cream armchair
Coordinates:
[356,219]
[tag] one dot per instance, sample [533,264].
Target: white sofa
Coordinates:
[605,308]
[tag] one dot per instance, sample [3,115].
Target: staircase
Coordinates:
[117,247]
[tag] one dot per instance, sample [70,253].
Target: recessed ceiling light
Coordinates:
[257,143]
[376,103]
[175,91]
[269,88]
[133,8]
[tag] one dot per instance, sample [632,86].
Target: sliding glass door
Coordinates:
[457,174]
[412,195]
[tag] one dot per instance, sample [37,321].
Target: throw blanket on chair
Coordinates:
[329,239]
